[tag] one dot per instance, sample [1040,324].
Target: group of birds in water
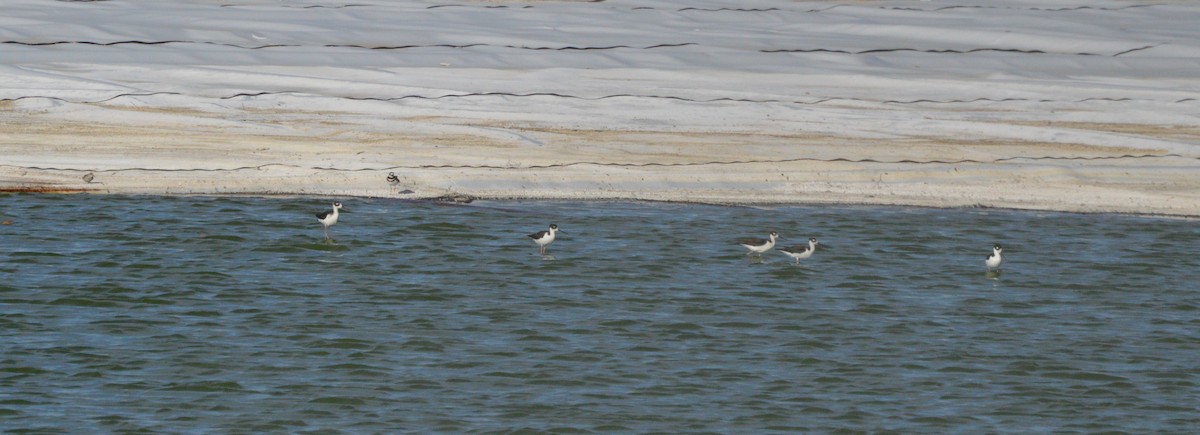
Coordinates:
[797,252]
[543,239]
[800,252]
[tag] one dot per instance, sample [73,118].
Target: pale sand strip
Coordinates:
[319,153]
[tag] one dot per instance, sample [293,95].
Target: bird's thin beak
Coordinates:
[343,209]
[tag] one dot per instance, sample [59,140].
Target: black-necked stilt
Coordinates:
[544,238]
[759,246]
[328,218]
[994,259]
[800,252]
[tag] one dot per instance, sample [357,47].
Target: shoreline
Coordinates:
[713,198]
[1068,177]
[463,200]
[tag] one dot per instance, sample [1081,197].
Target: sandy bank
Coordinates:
[1030,105]
[323,154]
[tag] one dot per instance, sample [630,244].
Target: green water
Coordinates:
[163,314]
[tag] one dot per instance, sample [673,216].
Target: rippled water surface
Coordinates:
[231,314]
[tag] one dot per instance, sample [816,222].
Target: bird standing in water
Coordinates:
[994,259]
[800,252]
[329,218]
[544,238]
[759,246]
